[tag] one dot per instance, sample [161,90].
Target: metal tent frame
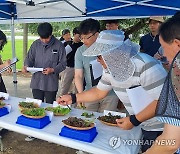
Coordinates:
[11,16]
[31,11]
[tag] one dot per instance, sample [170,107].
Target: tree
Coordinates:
[58,27]
[132,27]
[25,40]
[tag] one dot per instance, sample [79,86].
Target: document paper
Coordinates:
[139,98]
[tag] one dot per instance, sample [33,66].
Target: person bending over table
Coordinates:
[124,67]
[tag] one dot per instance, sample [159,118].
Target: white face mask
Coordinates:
[119,62]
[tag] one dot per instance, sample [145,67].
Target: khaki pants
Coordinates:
[107,103]
[67,83]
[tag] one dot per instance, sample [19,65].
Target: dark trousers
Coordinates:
[2,85]
[148,137]
[49,96]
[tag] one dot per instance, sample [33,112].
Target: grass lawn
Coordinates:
[7,51]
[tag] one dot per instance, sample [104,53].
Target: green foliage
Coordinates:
[28,105]
[32,27]
[34,112]
[7,52]
[5,26]
[2,103]
[58,27]
[87,115]
[125,24]
[58,110]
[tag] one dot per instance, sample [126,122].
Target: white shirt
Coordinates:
[149,73]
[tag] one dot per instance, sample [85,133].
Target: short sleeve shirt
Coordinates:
[83,62]
[149,73]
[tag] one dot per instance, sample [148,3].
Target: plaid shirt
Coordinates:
[176,76]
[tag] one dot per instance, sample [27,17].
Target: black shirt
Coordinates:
[70,56]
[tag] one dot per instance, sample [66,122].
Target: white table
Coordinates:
[51,132]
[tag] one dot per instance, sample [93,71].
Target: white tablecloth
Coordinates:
[51,132]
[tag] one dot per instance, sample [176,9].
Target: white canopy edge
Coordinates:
[50,11]
[19,21]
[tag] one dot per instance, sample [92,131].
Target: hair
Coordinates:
[3,38]
[170,29]
[65,31]
[89,26]
[111,21]
[44,30]
[177,15]
[155,21]
[76,30]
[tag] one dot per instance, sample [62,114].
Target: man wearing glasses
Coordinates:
[89,31]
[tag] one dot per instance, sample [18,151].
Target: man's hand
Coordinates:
[158,56]
[48,71]
[24,69]
[124,123]
[167,66]
[9,70]
[64,100]
[7,62]
[81,105]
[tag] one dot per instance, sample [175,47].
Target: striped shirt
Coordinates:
[169,120]
[168,109]
[149,73]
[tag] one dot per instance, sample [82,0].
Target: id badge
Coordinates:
[54,51]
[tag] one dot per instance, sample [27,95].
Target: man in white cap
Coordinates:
[149,43]
[124,68]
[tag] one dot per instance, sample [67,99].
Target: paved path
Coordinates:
[23,89]
[23,86]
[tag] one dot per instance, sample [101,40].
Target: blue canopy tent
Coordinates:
[7,10]
[31,11]
[131,8]
[70,10]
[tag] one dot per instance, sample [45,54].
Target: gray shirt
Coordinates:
[83,62]
[46,55]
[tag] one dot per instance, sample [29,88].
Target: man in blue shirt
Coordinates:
[149,43]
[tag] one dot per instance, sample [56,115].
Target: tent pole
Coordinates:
[13,54]
[83,13]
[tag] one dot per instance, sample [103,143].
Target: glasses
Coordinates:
[87,38]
